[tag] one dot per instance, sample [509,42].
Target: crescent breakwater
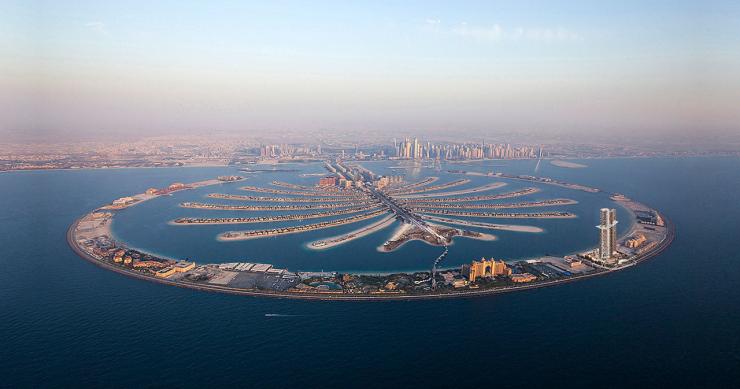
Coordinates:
[91,238]
[186,221]
[252,234]
[182,282]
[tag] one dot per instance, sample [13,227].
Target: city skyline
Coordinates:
[103,69]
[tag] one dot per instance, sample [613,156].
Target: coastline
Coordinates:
[454,162]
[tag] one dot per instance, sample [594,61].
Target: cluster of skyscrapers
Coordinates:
[413,149]
[287,150]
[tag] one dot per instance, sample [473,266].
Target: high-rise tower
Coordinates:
[607,233]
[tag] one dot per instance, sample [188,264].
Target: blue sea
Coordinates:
[673,320]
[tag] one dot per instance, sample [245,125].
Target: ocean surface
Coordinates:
[673,320]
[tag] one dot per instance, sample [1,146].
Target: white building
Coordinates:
[607,233]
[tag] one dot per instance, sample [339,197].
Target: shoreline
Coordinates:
[339,240]
[477,189]
[501,215]
[491,226]
[530,204]
[232,236]
[396,167]
[202,221]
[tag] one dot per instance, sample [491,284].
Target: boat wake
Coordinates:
[279,315]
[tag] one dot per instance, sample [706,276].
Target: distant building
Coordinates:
[124,201]
[459,283]
[327,181]
[166,272]
[148,264]
[649,217]
[522,278]
[179,267]
[607,234]
[635,241]
[576,264]
[184,266]
[382,182]
[485,268]
[229,178]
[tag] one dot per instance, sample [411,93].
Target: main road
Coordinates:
[405,214]
[410,217]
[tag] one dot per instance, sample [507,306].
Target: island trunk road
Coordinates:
[408,216]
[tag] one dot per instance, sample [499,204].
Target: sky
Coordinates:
[109,68]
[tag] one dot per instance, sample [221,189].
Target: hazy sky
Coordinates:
[153,67]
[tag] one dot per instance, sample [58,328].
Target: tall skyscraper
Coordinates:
[607,233]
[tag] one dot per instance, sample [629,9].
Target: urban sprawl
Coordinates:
[230,150]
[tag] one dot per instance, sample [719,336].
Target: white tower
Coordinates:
[607,233]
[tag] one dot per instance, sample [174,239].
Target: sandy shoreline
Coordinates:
[231,236]
[397,234]
[224,196]
[527,204]
[538,215]
[425,188]
[418,184]
[266,219]
[492,226]
[229,207]
[477,189]
[352,235]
